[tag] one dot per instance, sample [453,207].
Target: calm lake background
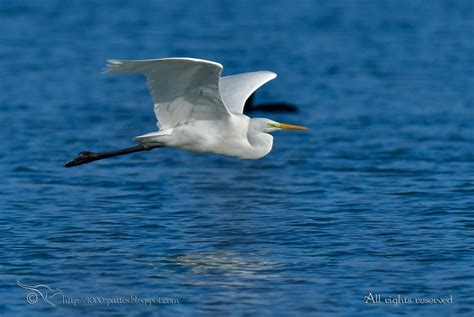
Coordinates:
[376,198]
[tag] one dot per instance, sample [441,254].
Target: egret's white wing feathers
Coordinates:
[183,89]
[236,89]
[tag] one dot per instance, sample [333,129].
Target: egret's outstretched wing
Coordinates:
[236,89]
[183,89]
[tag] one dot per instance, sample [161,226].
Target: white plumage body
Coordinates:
[227,137]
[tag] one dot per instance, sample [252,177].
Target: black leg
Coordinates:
[88,157]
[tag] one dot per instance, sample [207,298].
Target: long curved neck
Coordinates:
[261,143]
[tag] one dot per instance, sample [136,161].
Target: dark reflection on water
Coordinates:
[376,198]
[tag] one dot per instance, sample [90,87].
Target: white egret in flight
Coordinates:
[198,110]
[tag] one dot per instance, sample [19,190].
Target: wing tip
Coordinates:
[272,75]
[112,66]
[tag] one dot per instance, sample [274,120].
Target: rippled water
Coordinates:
[377,198]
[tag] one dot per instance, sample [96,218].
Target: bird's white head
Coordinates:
[268,126]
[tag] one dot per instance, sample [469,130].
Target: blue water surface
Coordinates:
[376,199]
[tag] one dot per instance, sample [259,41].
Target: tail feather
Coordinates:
[157,136]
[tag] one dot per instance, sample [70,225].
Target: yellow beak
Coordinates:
[290,127]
